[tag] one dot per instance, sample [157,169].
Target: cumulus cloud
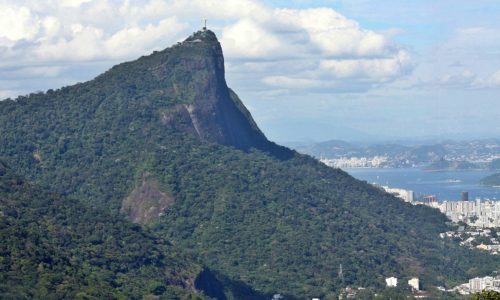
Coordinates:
[381,69]
[59,32]
[298,32]
[333,53]
[248,39]
[73,3]
[17,23]
[333,34]
[321,48]
[83,42]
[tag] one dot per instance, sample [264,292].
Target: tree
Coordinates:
[486,295]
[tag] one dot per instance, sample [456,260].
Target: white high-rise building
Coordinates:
[414,283]
[391,281]
[476,285]
[406,195]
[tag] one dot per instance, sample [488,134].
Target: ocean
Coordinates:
[446,185]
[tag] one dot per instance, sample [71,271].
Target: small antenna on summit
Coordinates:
[204,24]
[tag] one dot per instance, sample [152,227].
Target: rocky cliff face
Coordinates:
[191,76]
[216,113]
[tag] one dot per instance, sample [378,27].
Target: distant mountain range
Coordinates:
[451,155]
[152,181]
[492,180]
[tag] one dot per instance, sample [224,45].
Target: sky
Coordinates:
[355,70]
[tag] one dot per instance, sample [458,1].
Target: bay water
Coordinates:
[446,185]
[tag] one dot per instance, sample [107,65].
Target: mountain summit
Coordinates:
[163,140]
[190,78]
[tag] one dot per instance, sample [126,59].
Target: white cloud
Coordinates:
[83,43]
[303,32]
[223,9]
[17,23]
[136,39]
[73,3]
[248,39]
[195,10]
[332,33]
[321,48]
[51,26]
[381,69]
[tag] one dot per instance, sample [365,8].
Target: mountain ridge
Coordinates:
[207,108]
[255,212]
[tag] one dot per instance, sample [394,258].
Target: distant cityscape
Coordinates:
[357,162]
[383,161]
[477,223]
[476,285]
[480,154]
[478,220]
[478,213]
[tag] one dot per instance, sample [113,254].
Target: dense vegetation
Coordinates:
[55,248]
[287,226]
[257,214]
[486,295]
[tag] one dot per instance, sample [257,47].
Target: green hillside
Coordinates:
[55,248]
[287,226]
[163,140]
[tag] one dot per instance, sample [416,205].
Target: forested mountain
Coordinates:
[164,141]
[56,248]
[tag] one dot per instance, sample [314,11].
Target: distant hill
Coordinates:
[495,164]
[492,180]
[468,154]
[163,141]
[445,165]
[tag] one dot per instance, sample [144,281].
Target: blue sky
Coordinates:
[307,70]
